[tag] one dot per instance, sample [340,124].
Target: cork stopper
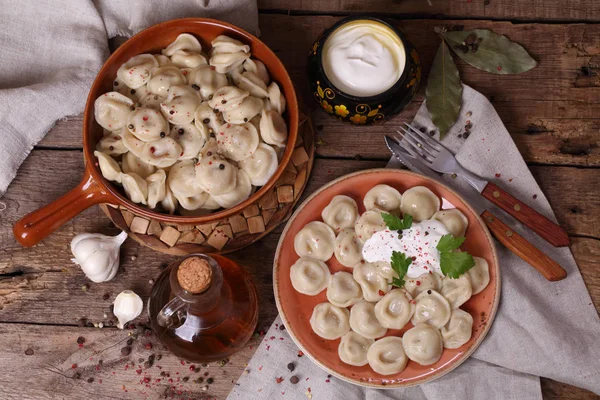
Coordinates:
[194,275]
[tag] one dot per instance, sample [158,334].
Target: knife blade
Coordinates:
[546,266]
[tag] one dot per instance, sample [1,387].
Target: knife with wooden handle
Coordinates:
[545,265]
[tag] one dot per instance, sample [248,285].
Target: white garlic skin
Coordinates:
[97,254]
[127,307]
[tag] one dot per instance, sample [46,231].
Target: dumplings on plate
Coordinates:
[348,249]
[423,344]
[384,198]
[420,203]
[340,213]
[343,290]
[395,309]
[454,220]
[373,285]
[315,240]
[364,322]
[480,275]
[330,322]
[353,349]
[309,276]
[387,356]
[369,223]
[457,291]
[458,330]
[431,308]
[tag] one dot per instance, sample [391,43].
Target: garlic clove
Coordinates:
[97,254]
[127,307]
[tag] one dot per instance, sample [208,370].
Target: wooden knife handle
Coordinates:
[535,221]
[521,247]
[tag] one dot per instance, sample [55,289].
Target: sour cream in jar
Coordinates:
[363,58]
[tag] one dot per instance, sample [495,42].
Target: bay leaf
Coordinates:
[494,53]
[444,90]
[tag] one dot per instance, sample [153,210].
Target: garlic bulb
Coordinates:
[127,307]
[97,254]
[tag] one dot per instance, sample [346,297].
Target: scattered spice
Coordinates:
[125,351]
[80,340]
[186,378]
[195,87]
[90,380]
[535,196]
[105,296]
[221,166]
[29,352]
[210,381]
[85,287]
[162,134]
[466,135]
[294,379]
[291,367]
[279,380]
[300,353]
[282,327]
[171,112]
[225,360]
[148,346]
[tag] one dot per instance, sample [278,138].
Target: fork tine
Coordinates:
[412,149]
[420,143]
[422,151]
[432,142]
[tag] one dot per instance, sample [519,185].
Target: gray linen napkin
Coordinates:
[51,51]
[542,328]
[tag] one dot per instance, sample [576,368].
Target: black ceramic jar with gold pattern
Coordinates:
[357,109]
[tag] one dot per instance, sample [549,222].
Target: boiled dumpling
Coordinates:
[182,179]
[156,187]
[184,41]
[191,139]
[315,240]
[226,62]
[131,163]
[454,220]
[188,59]
[237,142]
[108,166]
[457,291]
[276,99]
[136,71]
[261,165]
[384,269]
[161,153]
[248,109]
[242,190]
[147,124]
[194,202]
[432,308]
[423,344]
[169,202]
[309,276]
[207,80]
[426,281]
[258,68]
[364,322]
[348,249]
[180,105]
[162,60]
[458,330]
[373,285]
[135,187]
[340,213]
[369,223]
[329,322]
[205,115]
[227,97]
[111,110]
[420,203]
[479,274]
[163,78]
[252,83]
[273,128]
[353,349]
[111,144]
[215,175]
[386,356]
[395,309]
[343,290]
[384,198]
[152,101]
[225,44]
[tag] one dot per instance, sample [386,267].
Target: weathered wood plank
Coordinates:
[538,10]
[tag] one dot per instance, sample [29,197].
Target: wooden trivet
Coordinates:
[233,233]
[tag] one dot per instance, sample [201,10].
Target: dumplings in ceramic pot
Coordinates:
[180,105]
[151,100]
[131,163]
[353,349]
[261,165]
[276,99]
[458,330]
[454,220]
[315,240]
[420,203]
[194,202]
[108,166]
[184,41]
[479,274]
[227,97]
[369,223]
[147,124]
[252,83]
[248,109]
[386,356]
[416,286]
[111,144]
[343,290]
[237,142]
[309,276]
[188,59]
[225,44]
[242,190]
[395,309]
[348,249]
[423,344]
[340,213]
[215,175]
[457,291]
[111,110]
[135,187]
[207,79]
[136,71]
[373,285]
[182,179]
[162,60]
[384,198]
[431,308]
[169,202]
[156,187]
[364,322]
[161,153]
[190,138]
[226,62]
[161,79]
[205,115]
[273,128]
[258,67]
[329,322]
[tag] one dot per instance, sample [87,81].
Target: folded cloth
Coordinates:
[51,51]
[542,328]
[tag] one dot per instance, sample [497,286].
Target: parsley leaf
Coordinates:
[455,264]
[449,243]
[394,223]
[400,265]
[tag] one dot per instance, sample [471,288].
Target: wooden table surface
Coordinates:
[552,112]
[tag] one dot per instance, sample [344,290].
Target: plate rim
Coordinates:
[436,374]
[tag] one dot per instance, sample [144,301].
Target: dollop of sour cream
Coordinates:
[363,58]
[418,242]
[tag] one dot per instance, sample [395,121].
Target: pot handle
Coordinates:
[37,225]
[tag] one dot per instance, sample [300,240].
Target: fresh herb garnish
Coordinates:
[453,264]
[400,265]
[395,223]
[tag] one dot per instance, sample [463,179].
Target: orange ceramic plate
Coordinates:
[296,308]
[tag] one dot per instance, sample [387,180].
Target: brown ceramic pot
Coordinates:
[94,189]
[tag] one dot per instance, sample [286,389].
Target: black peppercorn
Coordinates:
[245,119]
[196,87]
[132,108]
[130,126]
[181,131]
[132,91]
[115,83]
[162,134]
[291,367]
[206,120]
[210,380]
[171,112]
[223,101]
[221,166]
